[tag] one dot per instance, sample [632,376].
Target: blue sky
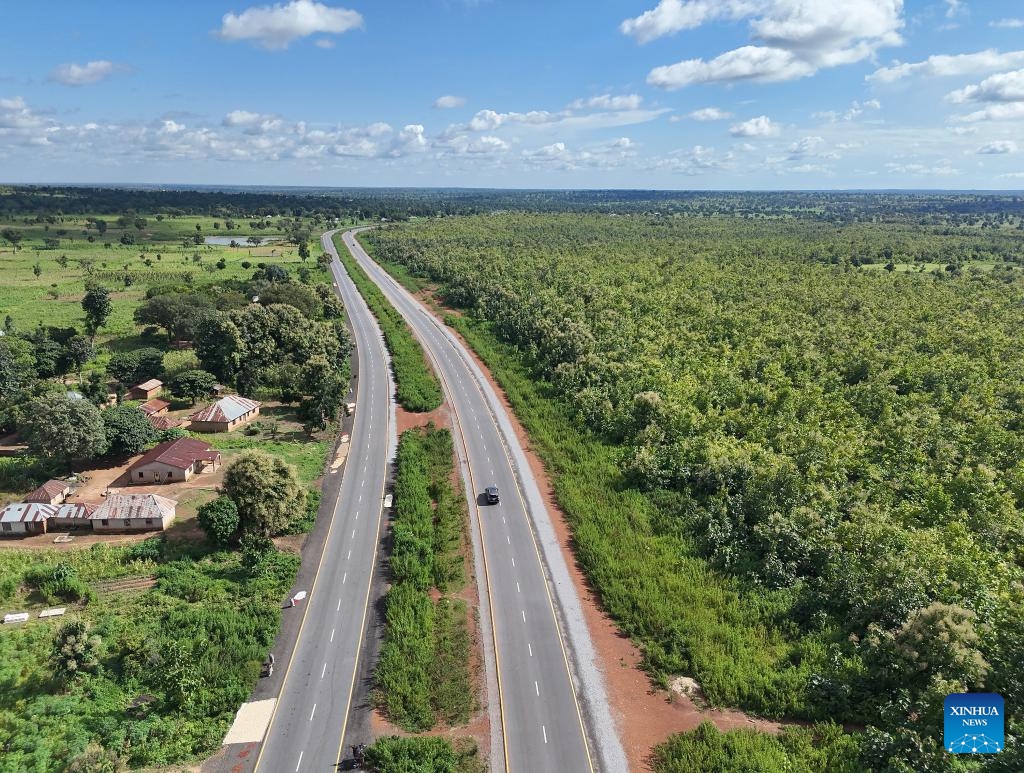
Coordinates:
[678,94]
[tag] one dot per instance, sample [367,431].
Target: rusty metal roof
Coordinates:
[164,422]
[49,490]
[134,506]
[226,409]
[180,453]
[152,406]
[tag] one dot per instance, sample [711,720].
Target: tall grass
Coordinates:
[417,388]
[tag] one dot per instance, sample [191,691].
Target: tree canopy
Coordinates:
[266,492]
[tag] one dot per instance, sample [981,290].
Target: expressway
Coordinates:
[310,717]
[538,626]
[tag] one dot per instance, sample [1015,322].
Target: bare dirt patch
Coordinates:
[441,417]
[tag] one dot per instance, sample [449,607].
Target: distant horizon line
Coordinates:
[269,187]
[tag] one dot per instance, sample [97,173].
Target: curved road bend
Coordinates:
[541,713]
[309,721]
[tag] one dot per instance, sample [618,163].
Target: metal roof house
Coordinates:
[226,414]
[21,518]
[53,492]
[155,407]
[174,460]
[133,512]
[71,516]
[146,390]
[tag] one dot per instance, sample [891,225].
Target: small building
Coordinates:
[71,516]
[174,460]
[23,518]
[155,407]
[53,492]
[225,415]
[146,390]
[133,512]
[164,422]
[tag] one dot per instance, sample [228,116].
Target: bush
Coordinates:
[219,519]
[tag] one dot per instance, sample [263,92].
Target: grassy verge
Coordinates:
[308,457]
[423,674]
[417,389]
[437,755]
[797,750]
[173,662]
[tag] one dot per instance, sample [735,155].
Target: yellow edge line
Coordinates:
[483,551]
[369,585]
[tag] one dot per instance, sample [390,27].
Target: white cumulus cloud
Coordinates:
[1004,87]
[710,114]
[608,102]
[796,38]
[762,126]
[945,65]
[274,27]
[449,101]
[83,74]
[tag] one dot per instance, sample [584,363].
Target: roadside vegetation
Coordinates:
[423,674]
[416,387]
[151,676]
[789,477]
[393,754]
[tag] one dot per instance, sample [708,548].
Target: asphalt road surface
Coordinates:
[310,719]
[542,708]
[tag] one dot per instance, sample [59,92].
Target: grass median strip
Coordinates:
[423,675]
[417,388]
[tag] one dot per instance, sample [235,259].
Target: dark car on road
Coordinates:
[491,495]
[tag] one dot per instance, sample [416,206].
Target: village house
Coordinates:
[146,390]
[174,460]
[225,415]
[53,492]
[133,512]
[71,516]
[164,422]
[22,518]
[155,407]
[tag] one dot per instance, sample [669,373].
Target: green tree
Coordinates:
[137,365]
[17,366]
[64,428]
[303,251]
[266,491]
[14,237]
[75,651]
[218,345]
[77,352]
[192,385]
[178,313]
[127,430]
[123,366]
[97,307]
[219,519]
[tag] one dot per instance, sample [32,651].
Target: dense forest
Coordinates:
[821,458]
[964,209]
